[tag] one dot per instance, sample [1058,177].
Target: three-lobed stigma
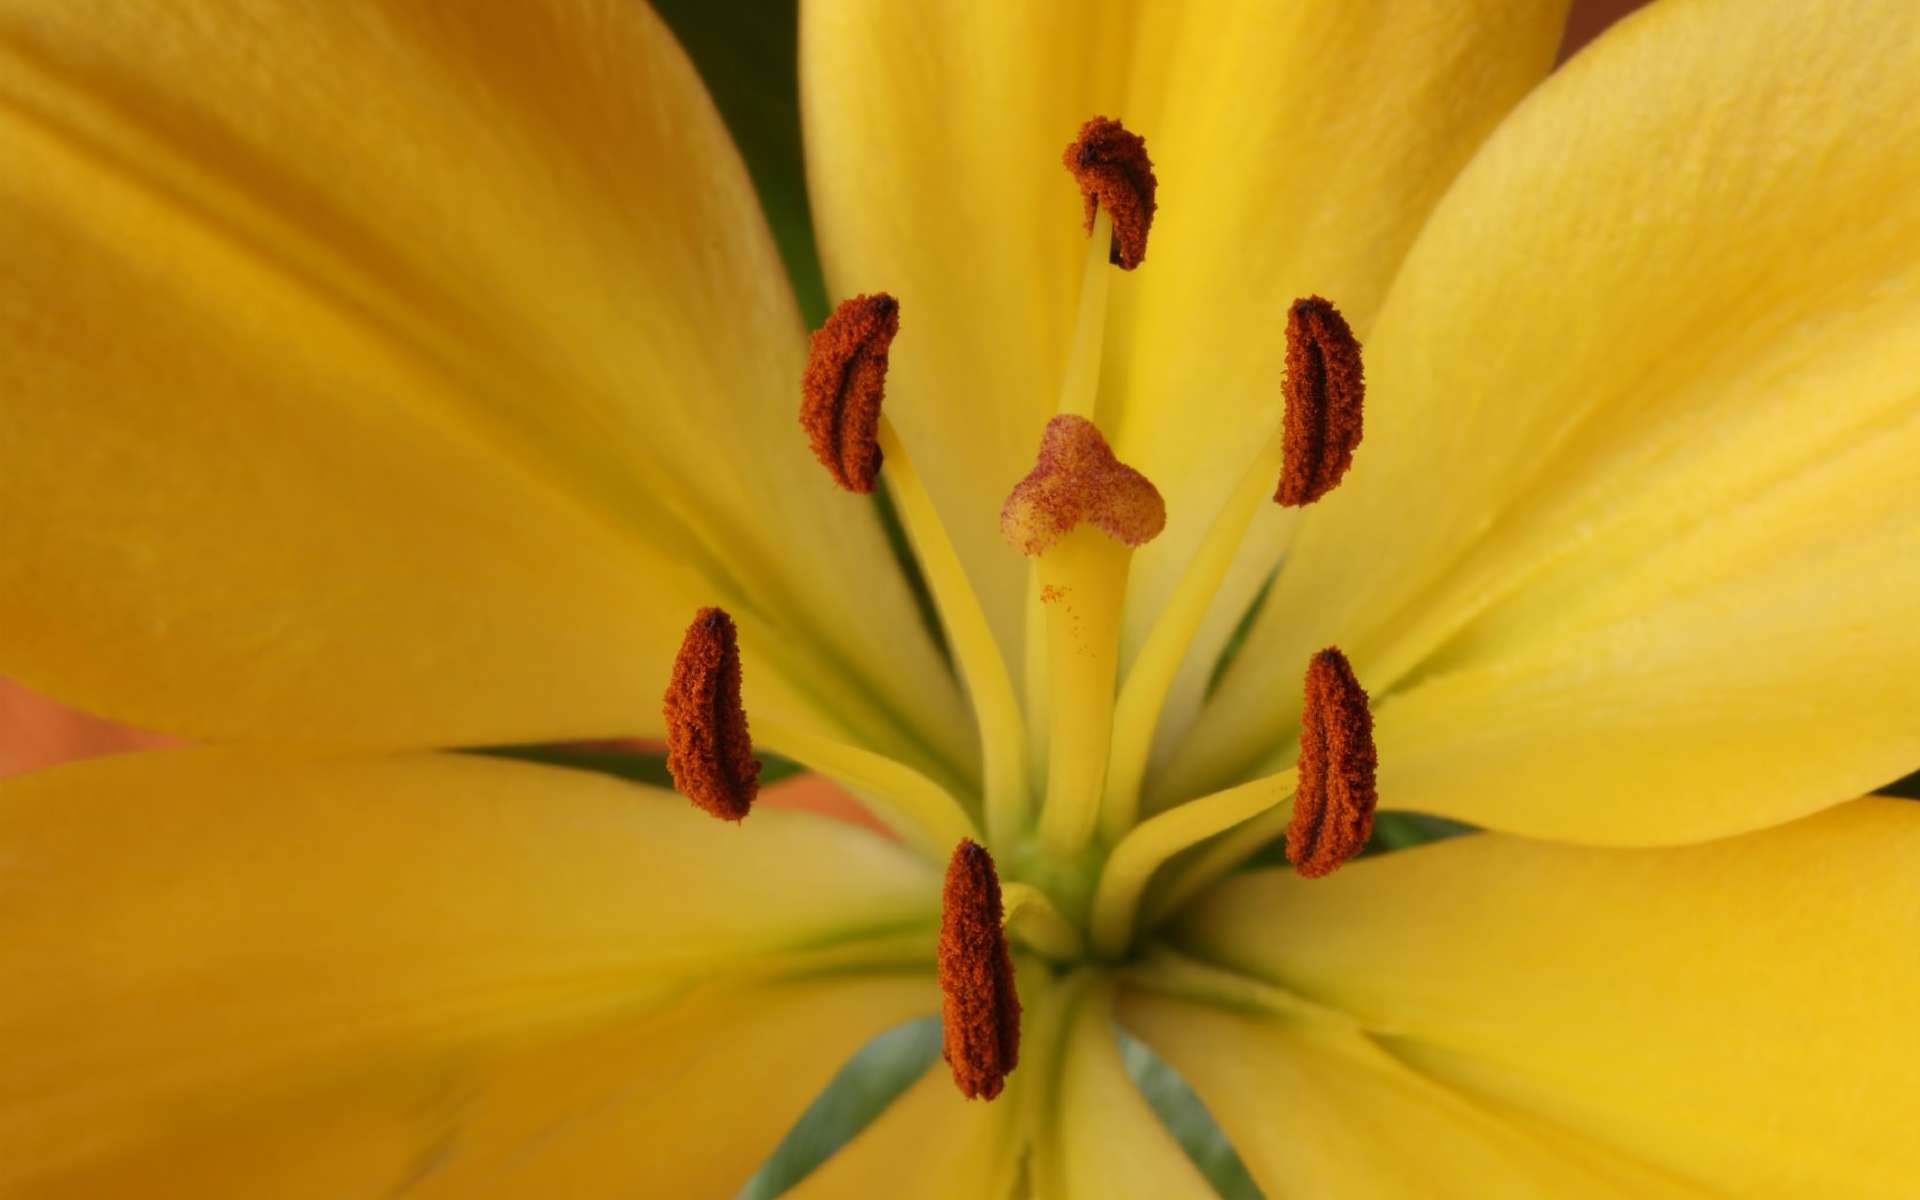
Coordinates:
[709,752]
[1076,478]
[843,385]
[1335,797]
[980,1008]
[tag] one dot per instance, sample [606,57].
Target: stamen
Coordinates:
[1148,846]
[1333,809]
[1324,389]
[844,382]
[1003,738]
[1143,696]
[709,752]
[981,1009]
[1076,478]
[1115,175]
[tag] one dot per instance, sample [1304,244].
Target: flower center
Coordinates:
[1085,876]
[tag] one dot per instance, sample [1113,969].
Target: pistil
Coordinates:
[1079,513]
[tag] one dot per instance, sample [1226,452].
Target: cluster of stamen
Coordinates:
[1080,579]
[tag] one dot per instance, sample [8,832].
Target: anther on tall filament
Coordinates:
[843,384]
[1335,797]
[709,753]
[981,1010]
[1324,389]
[1076,478]
[1114,173]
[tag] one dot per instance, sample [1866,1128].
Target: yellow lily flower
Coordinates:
[390,377]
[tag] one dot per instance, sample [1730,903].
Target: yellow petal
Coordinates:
[1627,555]
[245,973]
[1300,149]
[930,1143]
[1309,1120]
[404,374]
[1735,1016]
[1297,148]
[1098,1137]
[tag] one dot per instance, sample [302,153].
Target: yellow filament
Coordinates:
[1141,852]
[1082,385]
[1003,739]
[1190,878]
[1083,584]
[1031,917]
[1145,693]
[920,811]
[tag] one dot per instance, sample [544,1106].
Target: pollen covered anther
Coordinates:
[709,753]
[1076,478]
[843,385]
[1335,797]
[1114,173]
[1324,389]
[981,1011]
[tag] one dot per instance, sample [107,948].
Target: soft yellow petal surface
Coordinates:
[406,374]
[1734,1016]
[249,974]
[1298,148]
[1098,1137]
[1310,1120]
[1629,553]
[930,1143]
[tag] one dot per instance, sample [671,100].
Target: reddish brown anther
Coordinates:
[981,1011]
[1324,389]
[1114,173]
[1076,478]
[709,753]
[841,389]
[1334,799]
